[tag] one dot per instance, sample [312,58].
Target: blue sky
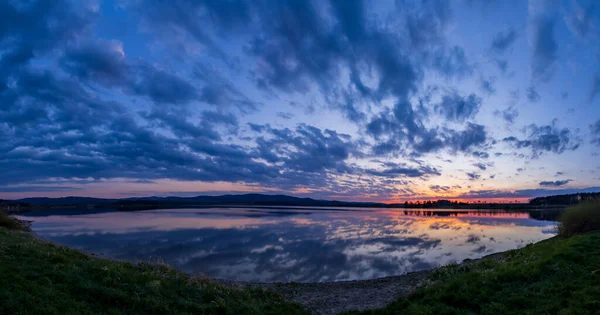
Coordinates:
[351,100]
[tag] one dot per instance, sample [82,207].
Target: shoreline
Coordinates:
[334,297]
[326,298]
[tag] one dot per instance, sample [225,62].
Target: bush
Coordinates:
[579,219]
[9,222]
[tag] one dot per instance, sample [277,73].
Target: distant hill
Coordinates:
[154,201]
[245,199]
[65,201]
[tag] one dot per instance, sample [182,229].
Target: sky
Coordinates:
[351,100]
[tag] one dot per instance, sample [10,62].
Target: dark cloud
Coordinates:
[459,108]
[545,48]
[440,189]
[36,28]
[548,138]
[584,19]
[283,115]
[473,238]
[487,85]
[532,94]
[481,155]
[501,64]
[163,87]
[305,45]
[403,129]
[451,62]
[503,40]
[595,131]
[595,87]
[306,149]
[473,176]
[473,135]
[104,62]
[59,130]
[555,183]
[508,115]
[401,170]
[480,166]
[96,61]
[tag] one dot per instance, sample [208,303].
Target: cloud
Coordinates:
[584,20]
[401,170]
[595,87]
[480,166]
[283,115]
[300,47]
[555,183]
[164,87]
[508,115]
[96,61]
[104,62]
[440,189]
[473,135]
[403,129]
[595,132]
[458,108]
[473,176]
[532,94]
[501,64]
[487,85]
[36,29]
[306,149]
[503,40]
[544,46]
[481,155]
[548,138]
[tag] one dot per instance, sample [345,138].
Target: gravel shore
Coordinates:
[334,297]
[328,298]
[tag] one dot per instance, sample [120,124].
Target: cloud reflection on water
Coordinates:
[306,246]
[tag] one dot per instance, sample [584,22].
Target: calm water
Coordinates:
[303,245]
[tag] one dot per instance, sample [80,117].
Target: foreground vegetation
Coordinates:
[41,278]
[579,219]
[9,222]
[560,275]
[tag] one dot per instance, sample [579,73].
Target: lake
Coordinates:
[292,244]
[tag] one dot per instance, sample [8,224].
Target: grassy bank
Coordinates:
[37,277]
[557,276]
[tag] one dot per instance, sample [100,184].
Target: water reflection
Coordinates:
[301,245]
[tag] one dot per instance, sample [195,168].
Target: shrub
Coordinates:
[579,219]
[9,222]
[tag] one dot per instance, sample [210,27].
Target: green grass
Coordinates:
[37,277]
[7,221]
[557,276]
[579,219]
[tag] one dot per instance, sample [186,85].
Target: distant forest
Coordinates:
[565,199]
